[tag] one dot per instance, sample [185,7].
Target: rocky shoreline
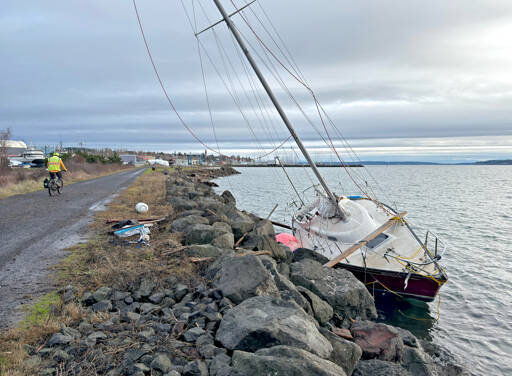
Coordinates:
[253,308]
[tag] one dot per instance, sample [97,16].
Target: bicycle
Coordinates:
[55,185]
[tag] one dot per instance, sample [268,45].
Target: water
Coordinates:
[469,206]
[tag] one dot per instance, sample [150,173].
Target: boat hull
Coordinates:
[417,287]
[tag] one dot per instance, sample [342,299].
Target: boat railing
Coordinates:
[438,244]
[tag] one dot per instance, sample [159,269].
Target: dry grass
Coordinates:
[18,181]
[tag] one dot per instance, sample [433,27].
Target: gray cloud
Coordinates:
[384,70]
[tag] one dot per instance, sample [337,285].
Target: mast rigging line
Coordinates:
[169,100]
[302,80]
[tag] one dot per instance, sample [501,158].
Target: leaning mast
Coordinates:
[278,107]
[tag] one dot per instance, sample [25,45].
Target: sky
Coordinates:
[401,80]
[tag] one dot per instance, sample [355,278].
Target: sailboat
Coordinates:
[359,233]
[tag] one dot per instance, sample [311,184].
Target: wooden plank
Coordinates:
[364,241]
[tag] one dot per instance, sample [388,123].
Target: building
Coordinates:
[14,148]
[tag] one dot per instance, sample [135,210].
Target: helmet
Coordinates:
[56,154]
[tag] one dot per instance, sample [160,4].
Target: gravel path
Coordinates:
[34,230]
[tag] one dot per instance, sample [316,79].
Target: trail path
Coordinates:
[34,230]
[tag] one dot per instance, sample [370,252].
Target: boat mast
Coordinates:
[278,107]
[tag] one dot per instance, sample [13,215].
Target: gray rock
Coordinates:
[346,354]
[156,298]
[378,340]
[283,361]
[148,307]
[95,336]
[195,368]
[61,356]
[264,243]
[222,227]
[193,334]
[102,306]
[103,293]
[48,371]
[85,327]
[200,234]
[180,290]
[286,288]
[240,222]
[417,362]
[141,367]
[264,228]
[407,337]
[220,366]
[264,321]
[87,299]
[345,294]
[207,250]
[32,362]
[172,373]
[59,339]
[228,198]
[185,223]
[161,363]
[240,278]
[208,203]
[322,311]
[304,253]
[146,288]
[180,204]
[131,317]
[226,241]
[120,295]
[146,334]
[73,333]
[377,367]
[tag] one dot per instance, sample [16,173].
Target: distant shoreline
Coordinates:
[504,162]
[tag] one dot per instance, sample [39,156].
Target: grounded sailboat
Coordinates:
[361,235]
[358,233]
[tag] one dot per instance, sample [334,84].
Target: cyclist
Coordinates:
[55,165]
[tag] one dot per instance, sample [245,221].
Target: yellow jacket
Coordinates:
[55,164]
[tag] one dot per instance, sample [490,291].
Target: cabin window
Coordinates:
[374,243]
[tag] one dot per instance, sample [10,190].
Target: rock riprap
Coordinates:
[265,321]
[345,293]
[283,360]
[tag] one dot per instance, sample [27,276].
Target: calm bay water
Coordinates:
[470,207]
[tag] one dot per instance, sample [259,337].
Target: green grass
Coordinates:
[158,169]
[40,311]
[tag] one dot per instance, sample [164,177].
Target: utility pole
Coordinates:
[278,107]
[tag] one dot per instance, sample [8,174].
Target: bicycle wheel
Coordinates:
[50,187]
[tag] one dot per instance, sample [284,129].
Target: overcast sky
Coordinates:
[429,80]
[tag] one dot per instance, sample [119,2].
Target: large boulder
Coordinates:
[321,310]
[206,250]
[286,288]
[264,227]
[345,293]
[417,362]
[346,354]
[257,242]
[242,277]
[378,340]
[305,253]
[377,367]
[264,321]
[180,204]
[185,223]
[283,361]
[201,234]
[240,222]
